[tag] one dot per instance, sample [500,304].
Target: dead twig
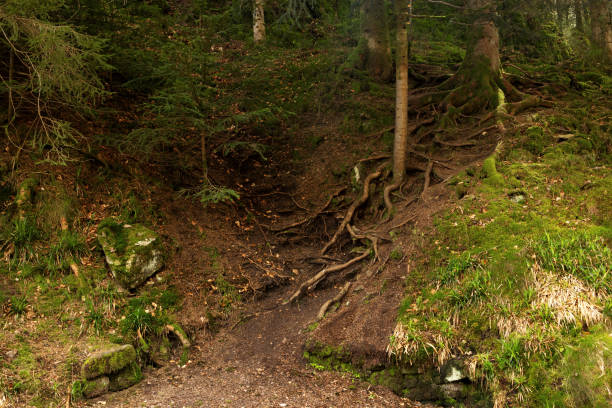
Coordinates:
[73,266]
[335,299]
[312,282]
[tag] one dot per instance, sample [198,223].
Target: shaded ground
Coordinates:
[258,364]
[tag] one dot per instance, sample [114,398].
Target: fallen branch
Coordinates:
[312,282]
[356,204]
[335,299]
[73,266]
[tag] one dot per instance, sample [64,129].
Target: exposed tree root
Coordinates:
[180,334]
[387,195]
[335,299]
[373,239]
[310,217]
[356,204]
[311,283]
[427,177]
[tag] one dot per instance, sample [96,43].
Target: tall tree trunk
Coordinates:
[400,142]
[375,50]
[601,26]
[578,13]
[259,23]
[559,11]
[479,77]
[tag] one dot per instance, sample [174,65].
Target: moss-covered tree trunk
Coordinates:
[259,25]
[601,25]
[476,86]
[374,49]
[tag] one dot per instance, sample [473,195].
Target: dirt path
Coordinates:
[258,364]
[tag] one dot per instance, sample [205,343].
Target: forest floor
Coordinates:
[232,266]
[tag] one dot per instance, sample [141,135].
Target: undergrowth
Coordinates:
[518,278]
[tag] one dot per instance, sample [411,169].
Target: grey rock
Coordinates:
[453,390]
[453,371]
[96,387]
[133,252]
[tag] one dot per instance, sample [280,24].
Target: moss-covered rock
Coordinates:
[133,252]
[90,388]
[125,378]
[108,361]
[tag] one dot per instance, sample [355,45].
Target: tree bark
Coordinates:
[479,77]
[578,13]
[375,53]
[259,24]
[400,143]
[601,25]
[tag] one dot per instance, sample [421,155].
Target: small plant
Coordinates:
[511,353]
[396,254]
[455,267]
[19,305]
[141,319]
[210,194]
[95,318]
[229,293]
[24,234]
[70,244]
[169,298]
[583,255]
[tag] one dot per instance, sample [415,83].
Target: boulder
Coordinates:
[454,371]
[125,378]
[108,361]
[94,388]
[133,252]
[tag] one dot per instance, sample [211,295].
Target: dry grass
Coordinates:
[408,345]
[569,300]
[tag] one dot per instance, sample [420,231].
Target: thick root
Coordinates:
[356,204]
[335,299]
[311,283]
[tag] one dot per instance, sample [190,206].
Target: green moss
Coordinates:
[490,172]
[108,361]
[126,378]
[479,274]
[89,388]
